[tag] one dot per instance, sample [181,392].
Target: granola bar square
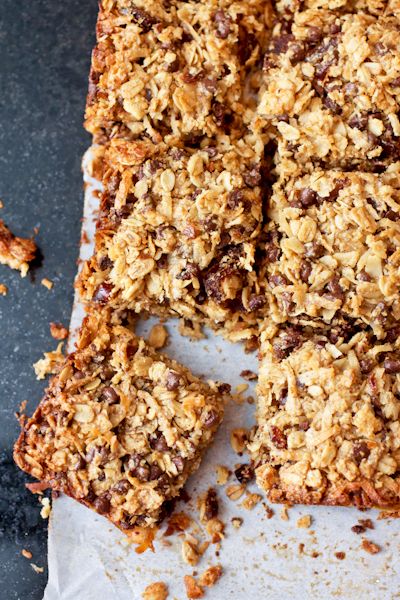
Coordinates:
[120,428]
[328,419]
[332,90]
[178,232]
[334,248]
[172,70]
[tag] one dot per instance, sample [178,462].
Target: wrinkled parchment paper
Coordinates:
[265,559]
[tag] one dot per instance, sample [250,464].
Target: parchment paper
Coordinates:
[91,560]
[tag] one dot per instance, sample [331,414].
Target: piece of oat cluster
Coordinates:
[328,419]
[334,248]
[332,90]
[121,427]
[375,7]
[15,252]
[174,69]
[178,232]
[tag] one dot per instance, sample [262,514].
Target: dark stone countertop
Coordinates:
[45,52]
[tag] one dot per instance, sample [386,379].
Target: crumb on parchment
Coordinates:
[50,363]
[156,591]
[158,336]
[304,522]
[370,547]
[193,589]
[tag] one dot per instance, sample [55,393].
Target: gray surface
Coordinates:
[45,52]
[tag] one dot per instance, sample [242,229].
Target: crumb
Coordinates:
[389,514]
[242,387]
[208,505]
[50,363]
[235,491]
[37,569]
[237,522]
[315,554]
[238,440]
[191,552]
[304,522]
[47,283]
[210,576]
[177,522]
[156,591]
[46,508]
[268,511]
[340,555]
[215,529]
[26,553]
[251,501]
[3,289]
[367,523]
[15,252]
[250,400]
[301,548]
[370,547]
[222,474]
[284,513]
[244,473]
[158,336]
[193,590]
[1,204]
[58,331]
[84,238]
[248,375]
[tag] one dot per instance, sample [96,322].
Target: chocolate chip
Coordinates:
[280,44]
[278,280]
[308,197]
[247,42]
[80,464]
[223,23]
[314,250]
[211,419]
[305,270]
[334,288]
[395,82]
[360,451]
[332,105]
[358,121]
[366,365]
[290,340]
[142,472]
[109,395]
[211,505]
[105,263]
[155,472]
[188,77]
[235,198]
[297,53]
[159,443]
[173,379]
[121,487]
[142,18]
[244,473]
[314,34]
[102,504]
[248,375]
[179,463]
[102,293]
[278,438]
[252,177]
[304,425]
[391,365]
[257,301]
[224,388]
[363,276]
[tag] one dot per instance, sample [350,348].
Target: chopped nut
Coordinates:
[209,505]
[222,474]
[46,508]
[235,491]
[248,375]
[158,336]
[304,522]
[47,283]
[3,289]
[37,569]
[26,553]
[193,590]
[58,331]
[237,522]
[156,591]
[210,576]
[370,547]
[238,440]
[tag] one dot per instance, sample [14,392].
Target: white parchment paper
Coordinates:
[91,560]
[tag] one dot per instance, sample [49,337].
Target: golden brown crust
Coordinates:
[120,428]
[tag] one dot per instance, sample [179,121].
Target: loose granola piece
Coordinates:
[58,331]
[193,589]
[15,252]
[174,70]
[178,233]
[26,553]
[336,238]
[304,522]
[332,90]
[210,576]
[156,591]
[158,336]
[328,424]
[3,289]
[47,283]
[121,427]
[370,547]
[237,522]
[50,364]
[222,474]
